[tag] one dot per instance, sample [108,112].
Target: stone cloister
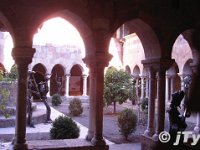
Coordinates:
[165,29]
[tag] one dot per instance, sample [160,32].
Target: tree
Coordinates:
[118,87]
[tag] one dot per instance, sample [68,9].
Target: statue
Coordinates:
[176,119]
[37,84]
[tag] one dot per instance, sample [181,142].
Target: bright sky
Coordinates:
[59,32]
[56,31]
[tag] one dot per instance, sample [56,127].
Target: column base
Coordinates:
[155,137]
[98,142]
[19,147]
[197,129]
[148,143]
[148,133]
[89,136]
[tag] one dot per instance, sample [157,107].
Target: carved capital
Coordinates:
[23,55]
[98,60]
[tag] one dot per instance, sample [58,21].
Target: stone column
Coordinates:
[151,109]
[22,56]
[197,127]
[48,82]
[167,95]
[96,65]
[67,84]
[142,87]
[171,85]
[160,120]
[147,87]
[84,85]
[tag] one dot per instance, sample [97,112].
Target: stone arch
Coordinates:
[136,71]
[77,22]
[5,24]
[187,34]
[76,81]
[57,75]
[147,37]
[181,52]
[40,68]
[128,69]
[187,70]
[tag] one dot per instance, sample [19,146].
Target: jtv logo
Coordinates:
[164,137]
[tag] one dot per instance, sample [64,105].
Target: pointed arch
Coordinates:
[76,81]
[57,80]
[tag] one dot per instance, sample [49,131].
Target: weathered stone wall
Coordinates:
[51,55]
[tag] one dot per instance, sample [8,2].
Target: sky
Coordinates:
[56,31]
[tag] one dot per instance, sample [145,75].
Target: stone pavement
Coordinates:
[41,132]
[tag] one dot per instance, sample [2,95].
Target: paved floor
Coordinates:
[41,131]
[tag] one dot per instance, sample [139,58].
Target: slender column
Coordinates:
[67,84]
[90,133]
[182,82]
[48,82]
[167,99]
[84,85]
[197,127]
[151,109]
[160,120]
[147,87]
[142,87]
[22,57]
[96,66]
[172,85]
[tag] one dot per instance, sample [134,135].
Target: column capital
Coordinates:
[99,59]
[67,75]
[84,75]
[158,64]
[23,55]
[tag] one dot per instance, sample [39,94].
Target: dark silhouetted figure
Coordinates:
[37,85]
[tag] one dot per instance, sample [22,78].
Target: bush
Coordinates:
[64,128]
[75,107]
[127,121]
[144,104]
[56,100]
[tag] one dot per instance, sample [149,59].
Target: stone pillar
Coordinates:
[96,65]
[142,87]
[84,85]
[171,86]
[151,109]
[167,93]
[182,82]
[67,84]
[147,87]
[48,82]
[160,120]
[22,56]
[197,127]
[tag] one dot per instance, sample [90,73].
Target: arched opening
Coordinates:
[39,68]
[76,81]
[128,69]
[57,80]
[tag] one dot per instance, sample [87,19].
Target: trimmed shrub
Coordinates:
[56,100]
[127,121]
[75,107]
[64,128]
